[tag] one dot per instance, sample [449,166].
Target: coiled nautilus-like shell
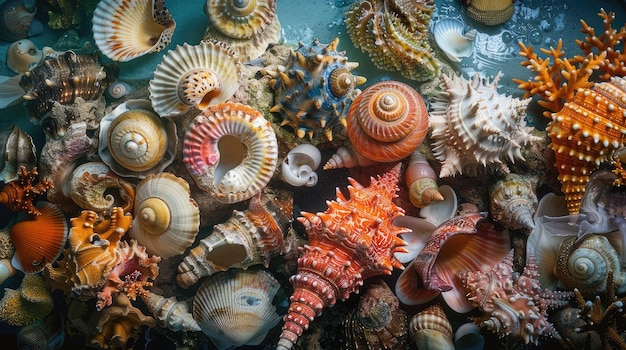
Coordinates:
[387,121]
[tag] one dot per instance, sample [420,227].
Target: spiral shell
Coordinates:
[514,201]
[194,76]
[244,162]
[422,181]
[387,121]
[18,150]
[134,141]
[347,157]
[167,219]
[22,54]
[91,185]
[171,313]
[430,329]
[298,167]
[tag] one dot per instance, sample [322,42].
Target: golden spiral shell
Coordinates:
[240,19]
[341,82]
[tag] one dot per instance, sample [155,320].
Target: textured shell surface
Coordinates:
[17,149]
[126,29]
[231,151]
[167,219]
[194,76]
[430,329]
[514,201]
[452,38]
[474,126]
[93,186]
[135,141]
[171,313]
[421,181]
[234,308]
[22,54]
[316,89]
[490,12]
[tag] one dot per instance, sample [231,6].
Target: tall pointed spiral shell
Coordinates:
[194,76]
[514,201]
[231,151]
[171,313]
[387,121]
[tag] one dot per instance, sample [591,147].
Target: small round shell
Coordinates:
[452,39]
[194,76]
[167,219]
[126,29]
[246,158]
[22,54]
[298,167]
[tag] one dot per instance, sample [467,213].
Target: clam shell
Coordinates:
[234,308]
[452,39]
[194,76]
[126,29]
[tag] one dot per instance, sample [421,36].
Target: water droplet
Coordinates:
[535,37]
[507,37]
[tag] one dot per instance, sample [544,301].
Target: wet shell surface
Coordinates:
[22,54]
[166,219]
[421,180]
[453,40]
[234,308]
[18,150]
[194,76]
[490,12]
[514,201]
[231,151]
[387,121]
[134,141]
[126,29]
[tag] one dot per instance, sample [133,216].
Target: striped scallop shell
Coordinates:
[167,219]
[126,29]
[194,76]
[387,121]
[234,308]
[490,12]
[246,159]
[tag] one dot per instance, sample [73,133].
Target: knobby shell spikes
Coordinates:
[514,201]
[452,40]
[387,121]
[231,151]
[430,329]
[194,76]
[171,313]
[127,29]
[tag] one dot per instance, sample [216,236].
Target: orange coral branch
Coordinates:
[18,195]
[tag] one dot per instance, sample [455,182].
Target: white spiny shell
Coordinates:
[234,308]
[452,39]
[194,76]
[171,313]
[126,29]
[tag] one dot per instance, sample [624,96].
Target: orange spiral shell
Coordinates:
[387,121]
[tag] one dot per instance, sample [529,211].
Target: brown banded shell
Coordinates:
[93,186]
[430,329]
[18,150]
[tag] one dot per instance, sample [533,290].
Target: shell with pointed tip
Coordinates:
[387,121]
[490,12]
[247,26]
[171,313]
[127,29]
[18,150]
[167,219]
[298,167]
[93,186]
[452,39]
[194,76]
[231,151]
[422,181]
[441,211]
[135,142]
[316,89]
[347,157]
[431,330]
[234,308]
[514,201]
[22,54]
[473,126]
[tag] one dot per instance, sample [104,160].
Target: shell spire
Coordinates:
[352,241]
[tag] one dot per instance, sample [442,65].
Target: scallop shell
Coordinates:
[244,162]
[452,39]
[134,141]
[22,54]
[387,121]
[247,26]
[127,29]
[167,219]
[234,308]
[18,150]
[490,12]
[194,76]
[431,330]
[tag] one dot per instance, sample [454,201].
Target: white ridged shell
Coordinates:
[452,40]
[171,313]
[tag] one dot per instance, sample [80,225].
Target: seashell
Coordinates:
[347,157]
[135,142]
[474,126]
[91,185]
[33,251]
[119,89]
[167,219]
[22,54]
[315,89]
[234,308]
[467,337]
[246,158]
[422,181]
[17,20]
[248,238]
[298,167]
[246,26]
[514,201]
[194,76]
[18,150]
[584,133]
[49,331]
[387,121]
[551,205]
[171,313]
[430,329]
[416,239]
[6,270]
[441,211]
[126,29]
[490,12]
[29,303]
[452,38]
[10,90]
[602,208]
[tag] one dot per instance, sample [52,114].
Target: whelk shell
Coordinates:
[18,150]
[171,313]
[421,180]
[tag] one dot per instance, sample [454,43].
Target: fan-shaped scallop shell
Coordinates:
[245,160]
[194,76]
[490,12]
[387,121]
[167,219]
[234,308]
[134,141]
[126,29]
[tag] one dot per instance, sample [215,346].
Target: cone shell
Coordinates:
[490,12]
[38,239]
[167,219]
[127,29]
[430,329]
[387,121]
[241,170]
[171,313]
[514,201]
[194,76]
[235,308]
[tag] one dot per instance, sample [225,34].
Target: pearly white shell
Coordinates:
[441,211]
[298,167]
[452,38]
